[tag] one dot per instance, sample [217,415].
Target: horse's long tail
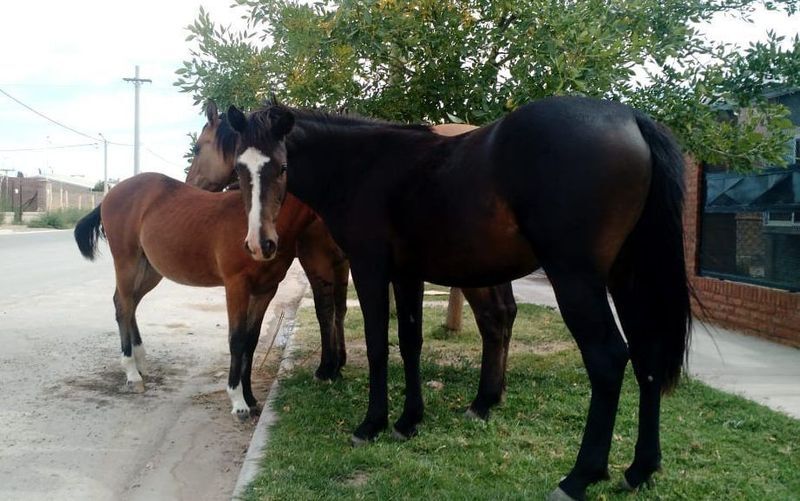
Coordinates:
[657,276]
[87,232]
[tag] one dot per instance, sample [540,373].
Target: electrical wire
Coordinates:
[44,148]
[74,131]
[48,118]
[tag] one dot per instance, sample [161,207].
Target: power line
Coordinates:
[47,118]
[43,148]
[163,159]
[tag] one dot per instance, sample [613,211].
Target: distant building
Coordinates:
[45,193]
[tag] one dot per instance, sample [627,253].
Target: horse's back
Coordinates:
[179,229]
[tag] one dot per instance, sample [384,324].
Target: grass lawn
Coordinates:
[715,446]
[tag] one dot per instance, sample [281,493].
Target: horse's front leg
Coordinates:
[372,286]
[255,317]
[408,296]
[237,298]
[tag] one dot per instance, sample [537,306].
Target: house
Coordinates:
[743,242]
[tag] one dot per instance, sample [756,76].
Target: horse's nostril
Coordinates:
[268,246]
[247,247]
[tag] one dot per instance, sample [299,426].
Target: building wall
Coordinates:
[761,311]
[40,194]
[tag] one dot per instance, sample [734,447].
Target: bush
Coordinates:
[60,219]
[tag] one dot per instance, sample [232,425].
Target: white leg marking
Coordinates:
[132,374]
[255,161]
[139,355]
[240,407]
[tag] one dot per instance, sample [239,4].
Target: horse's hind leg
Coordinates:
[150,278]
[133,282]
[495,310]
[341,272]
[581,295]
[322,262]
[637,322]
[255,317]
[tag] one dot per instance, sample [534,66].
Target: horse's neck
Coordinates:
[325,164]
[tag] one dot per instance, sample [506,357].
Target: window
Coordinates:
[779,218]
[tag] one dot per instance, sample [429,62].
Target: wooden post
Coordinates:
[455,306]
[392,304]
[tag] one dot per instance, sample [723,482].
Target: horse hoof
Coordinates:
[358,441]
[242,414]
[136,386]
[471,414]
[402,437]
[559,495]
[624,486]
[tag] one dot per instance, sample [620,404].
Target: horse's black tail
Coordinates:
[657,271]
[87,232]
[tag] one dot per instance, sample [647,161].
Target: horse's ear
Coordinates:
[237,119]
[212,115]
[282,124]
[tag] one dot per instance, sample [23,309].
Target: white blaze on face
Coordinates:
[254,160]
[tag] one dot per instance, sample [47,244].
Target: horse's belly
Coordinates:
[504,261]
[182,263]
[474,253]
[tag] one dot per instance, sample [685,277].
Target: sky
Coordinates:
[67,60]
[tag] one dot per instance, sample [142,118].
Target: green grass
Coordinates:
[351,292]
[59,219]
[715,446]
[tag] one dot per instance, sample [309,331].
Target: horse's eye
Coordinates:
[283,168]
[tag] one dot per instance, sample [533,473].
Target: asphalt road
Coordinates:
[69,428]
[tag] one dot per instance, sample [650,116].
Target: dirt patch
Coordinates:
[541,347]
[357,479]
[207,306]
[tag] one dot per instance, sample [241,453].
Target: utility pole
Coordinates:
[137,83]
[105,163]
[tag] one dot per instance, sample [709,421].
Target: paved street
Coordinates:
[70,431]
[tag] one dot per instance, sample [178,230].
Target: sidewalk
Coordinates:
[759,370]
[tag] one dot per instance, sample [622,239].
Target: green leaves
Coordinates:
[475,60]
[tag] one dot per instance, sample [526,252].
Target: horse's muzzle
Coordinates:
[266,250]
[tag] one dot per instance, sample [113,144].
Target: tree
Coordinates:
[191,152]
[475,60]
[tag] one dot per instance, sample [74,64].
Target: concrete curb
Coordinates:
[258,443]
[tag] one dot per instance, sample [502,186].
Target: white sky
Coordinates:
[67,60]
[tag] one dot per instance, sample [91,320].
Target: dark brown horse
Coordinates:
[494,307]
[589,190]
[159,227]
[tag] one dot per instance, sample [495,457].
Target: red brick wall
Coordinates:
[769,313]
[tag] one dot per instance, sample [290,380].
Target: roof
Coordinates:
[773,190]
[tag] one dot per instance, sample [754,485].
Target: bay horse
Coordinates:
[589,190]
[494,307]
[159,227]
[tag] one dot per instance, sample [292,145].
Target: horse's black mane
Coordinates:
[226,137]
[306,120]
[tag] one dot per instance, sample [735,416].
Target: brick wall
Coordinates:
[770,313]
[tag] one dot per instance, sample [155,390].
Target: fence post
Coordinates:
[455,306]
